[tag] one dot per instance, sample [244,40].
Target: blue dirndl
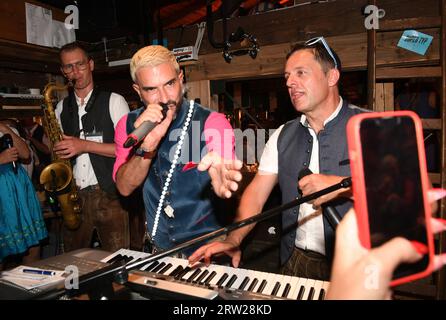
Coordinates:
[21,221]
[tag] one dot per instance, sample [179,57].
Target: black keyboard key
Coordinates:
[301,293]
[286,290]
[193,275]
[158,267]
[152,265]
[262,286]
[222,280]
[181,274]
[311,294]
[176,271]
[114,259]
[128,258]
[231,281]
[253,284]
[322,295]
[211,276]
[275,289]
[201,277]
[244,283]
[167,267]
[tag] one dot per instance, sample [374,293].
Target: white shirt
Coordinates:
[83,169]
[310,231]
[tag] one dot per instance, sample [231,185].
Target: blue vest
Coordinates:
[189,193]
[294,147]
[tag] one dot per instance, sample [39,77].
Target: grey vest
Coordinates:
[294,147]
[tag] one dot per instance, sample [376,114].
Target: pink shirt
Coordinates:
[218,135]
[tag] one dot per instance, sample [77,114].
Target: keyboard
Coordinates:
[173,278]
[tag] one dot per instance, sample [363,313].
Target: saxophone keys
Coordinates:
[74,197]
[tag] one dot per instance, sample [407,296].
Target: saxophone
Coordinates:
[57,178]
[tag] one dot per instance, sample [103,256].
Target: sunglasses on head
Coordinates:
[313,41]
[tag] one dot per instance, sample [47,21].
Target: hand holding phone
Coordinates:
[390,184]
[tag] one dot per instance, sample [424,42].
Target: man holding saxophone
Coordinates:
[88,117]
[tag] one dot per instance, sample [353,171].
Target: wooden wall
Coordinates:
[13,18]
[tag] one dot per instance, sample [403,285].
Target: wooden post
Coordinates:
[371,66]
[200,90]
[441,280]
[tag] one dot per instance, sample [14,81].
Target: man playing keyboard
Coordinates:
[314,141]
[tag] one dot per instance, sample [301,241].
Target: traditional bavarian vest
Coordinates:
[189,193]
[294,147]
[96,119]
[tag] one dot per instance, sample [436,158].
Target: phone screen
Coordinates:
[393,184]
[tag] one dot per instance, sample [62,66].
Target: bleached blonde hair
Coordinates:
[152,56]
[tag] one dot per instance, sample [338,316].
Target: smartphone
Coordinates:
[390,184]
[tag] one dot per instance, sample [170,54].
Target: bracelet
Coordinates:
[140,152]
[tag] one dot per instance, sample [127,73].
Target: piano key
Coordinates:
[262,276]
[115,258]
[325,285]
[165,269]
[135,255]
[275,289]
[317,289]
[262,286]
[177,270]
[253,284]
[222,280]
[299,289]
[193,275]
[186,273]
[148,267]
[295,282]
[244,283]
[308,286]
[201,277]
[271,280]
[210,277]
[300,296]
[310,294]
[241,274]
[220,270]
[231,281]
[182,273]
[285,289]
[158,267]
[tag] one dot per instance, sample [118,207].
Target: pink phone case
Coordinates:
[358,182]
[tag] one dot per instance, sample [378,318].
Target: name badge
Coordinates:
[94,136]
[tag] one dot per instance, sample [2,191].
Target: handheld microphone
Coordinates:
[329,212]
[9,144]
[143,130]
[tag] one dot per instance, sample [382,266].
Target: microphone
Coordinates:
[329,212]
[143,130]
[9,144]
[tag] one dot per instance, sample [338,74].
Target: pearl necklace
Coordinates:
[168,209]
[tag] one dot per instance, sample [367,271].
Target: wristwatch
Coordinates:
[140,152]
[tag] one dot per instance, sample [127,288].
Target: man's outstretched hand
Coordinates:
[225,174]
